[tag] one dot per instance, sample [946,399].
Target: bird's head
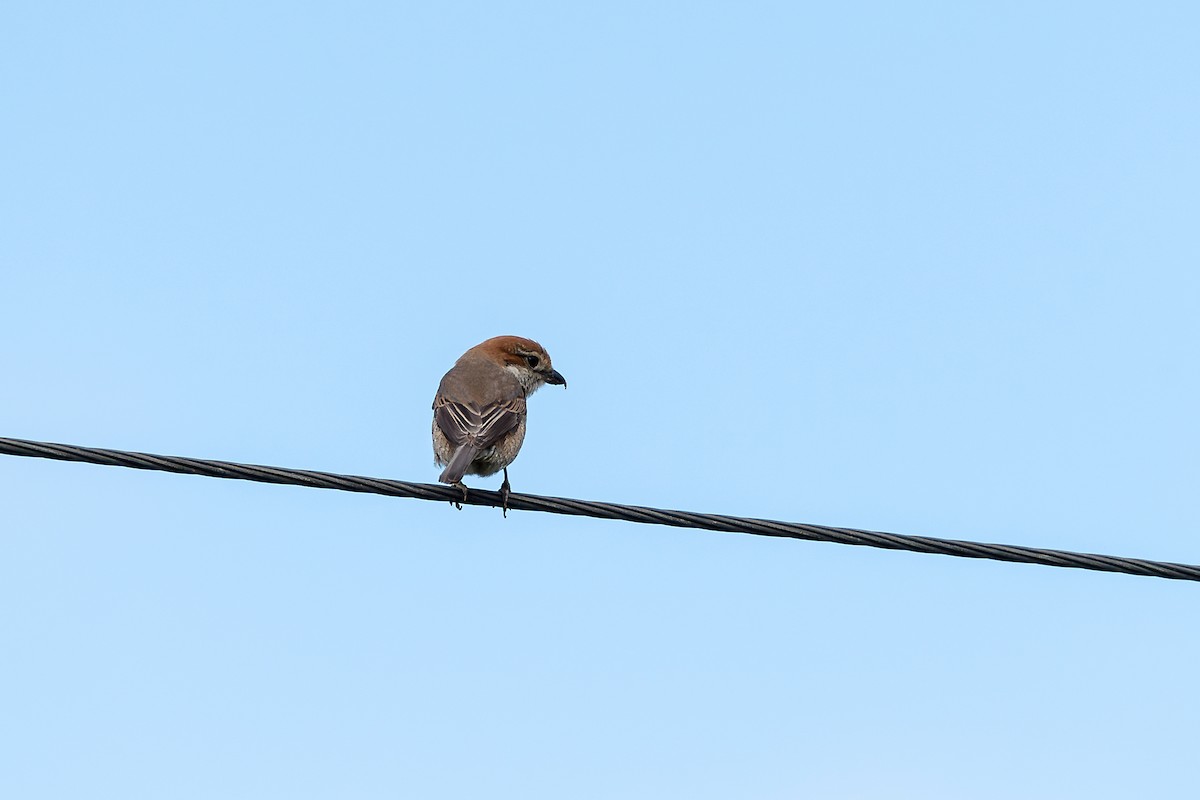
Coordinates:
[527,360]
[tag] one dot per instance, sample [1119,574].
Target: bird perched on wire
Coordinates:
[479,410]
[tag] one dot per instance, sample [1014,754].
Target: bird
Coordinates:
[479,410]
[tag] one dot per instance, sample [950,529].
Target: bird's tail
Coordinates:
[459,462]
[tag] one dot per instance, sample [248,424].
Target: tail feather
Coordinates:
[460,462]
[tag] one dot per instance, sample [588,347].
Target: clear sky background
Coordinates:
[927,268]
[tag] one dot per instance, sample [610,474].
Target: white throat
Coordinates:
[529,380]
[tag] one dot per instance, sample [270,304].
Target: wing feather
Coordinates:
[478,426]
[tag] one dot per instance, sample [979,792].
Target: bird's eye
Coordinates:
[532,361]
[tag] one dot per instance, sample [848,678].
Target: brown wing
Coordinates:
[478,426]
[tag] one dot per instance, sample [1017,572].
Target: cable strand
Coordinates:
[589,508]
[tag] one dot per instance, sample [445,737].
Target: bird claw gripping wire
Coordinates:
[505,491]
[457,504]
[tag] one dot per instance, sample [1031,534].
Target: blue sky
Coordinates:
[925,268]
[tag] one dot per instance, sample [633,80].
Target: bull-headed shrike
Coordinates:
[479,411]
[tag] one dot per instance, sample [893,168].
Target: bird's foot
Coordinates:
[505,491]
[456,503]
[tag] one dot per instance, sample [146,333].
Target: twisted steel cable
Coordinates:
[588,508]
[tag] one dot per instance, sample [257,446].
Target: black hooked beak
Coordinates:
[555,379]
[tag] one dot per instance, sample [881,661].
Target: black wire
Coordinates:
[587,508]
